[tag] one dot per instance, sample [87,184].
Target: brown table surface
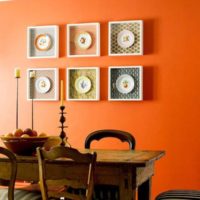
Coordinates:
[129,169]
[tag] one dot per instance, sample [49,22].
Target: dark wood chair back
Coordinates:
[13,172]
[84,182]
[102,192]
[106,133]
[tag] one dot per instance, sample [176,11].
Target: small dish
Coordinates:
[43,42]
[83,84]
[125,39]
[125,83]
[42,84]
[83,40]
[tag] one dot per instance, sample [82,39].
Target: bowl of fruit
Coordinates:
[24,142]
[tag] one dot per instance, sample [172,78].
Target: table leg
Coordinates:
[144,190]
[126,191]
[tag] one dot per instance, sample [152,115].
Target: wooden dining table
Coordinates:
[128,169]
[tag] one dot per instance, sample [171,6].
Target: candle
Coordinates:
[61,93]
[32,74]
[17,73]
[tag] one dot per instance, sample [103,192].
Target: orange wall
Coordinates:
[167,119]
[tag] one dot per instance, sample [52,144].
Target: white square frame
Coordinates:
[55,29]
[140,83]
[110,41]
[97,26]
[56,83]
[97,73]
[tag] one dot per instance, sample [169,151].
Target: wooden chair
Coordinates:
[179,194]
[61,186]
[10,189]
[107,133]
[13,172]
[108,192]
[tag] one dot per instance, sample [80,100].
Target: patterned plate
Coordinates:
[125,83]
[43,42]
[42,84]
[125,38]
[82,84]
[83,40]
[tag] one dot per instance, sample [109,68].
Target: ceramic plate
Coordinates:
[82,84]
[42,84]
[125,39]
[125,83]
[43,42]
[84,40]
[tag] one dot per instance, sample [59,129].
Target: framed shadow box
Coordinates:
[125,38]
[125,83]
[83,40]
[42,84]
[83,84]
[42,42]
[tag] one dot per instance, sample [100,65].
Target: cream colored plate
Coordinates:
[125,39]
[43,42]
[82,84]
[83,40]
[42,84]
[125,83]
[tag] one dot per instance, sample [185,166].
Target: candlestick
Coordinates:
[62,120]
[61,93]
[32,76]
[17,73]
[17,76]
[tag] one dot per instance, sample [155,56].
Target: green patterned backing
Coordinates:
[135,93]
[89,73]
[135,28]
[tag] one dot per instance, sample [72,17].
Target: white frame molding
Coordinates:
[97,25]
[56,75]
[56,41]
[97,70]
[110,42]
[140,83]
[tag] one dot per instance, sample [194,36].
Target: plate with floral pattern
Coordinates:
[125,39]
[43,42]
[125,83]
[83,84]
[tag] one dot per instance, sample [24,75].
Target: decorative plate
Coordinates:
[43,42]
[125,83]
[125,39]
[42,84]
[83,40]
[82,84]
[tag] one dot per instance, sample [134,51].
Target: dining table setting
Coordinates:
[129,170]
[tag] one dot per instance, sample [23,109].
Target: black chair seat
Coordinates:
[179,194]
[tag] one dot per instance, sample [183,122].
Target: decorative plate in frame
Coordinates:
[42,41]
[125,38]
[83,84]
[42,84]
[125,83]
[83,40]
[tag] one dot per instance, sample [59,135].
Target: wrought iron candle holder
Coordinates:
[62,127]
